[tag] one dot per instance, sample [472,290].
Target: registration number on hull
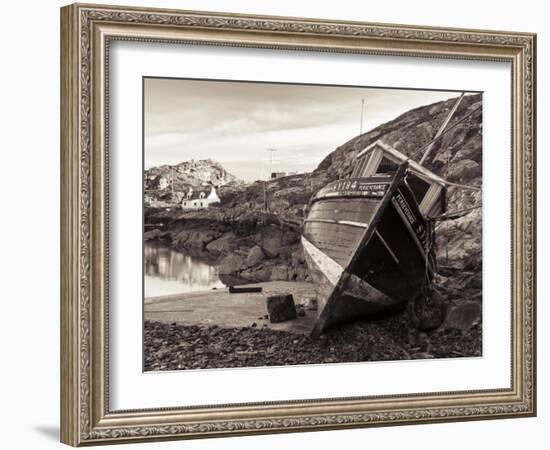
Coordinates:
[353,188]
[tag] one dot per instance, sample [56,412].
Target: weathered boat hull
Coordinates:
[368,251]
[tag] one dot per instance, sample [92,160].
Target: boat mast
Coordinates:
[442,128]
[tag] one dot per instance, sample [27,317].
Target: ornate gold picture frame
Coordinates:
[87,31]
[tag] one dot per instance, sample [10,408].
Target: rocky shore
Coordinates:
[171,345]
[177,346]
[251,246]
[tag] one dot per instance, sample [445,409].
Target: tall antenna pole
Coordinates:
[271,150]
[362,108]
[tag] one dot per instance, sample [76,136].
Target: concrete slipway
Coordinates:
[219,307]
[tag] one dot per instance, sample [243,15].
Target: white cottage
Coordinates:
[199,199]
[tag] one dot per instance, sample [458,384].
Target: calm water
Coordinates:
[170,272]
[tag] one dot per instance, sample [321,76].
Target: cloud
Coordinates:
[235,122]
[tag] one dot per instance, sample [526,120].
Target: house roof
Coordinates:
[196,194]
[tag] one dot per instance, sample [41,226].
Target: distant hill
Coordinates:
[187,173]
[198,174]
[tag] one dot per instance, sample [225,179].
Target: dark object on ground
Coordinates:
[244,289]
[281,308]
[427,310]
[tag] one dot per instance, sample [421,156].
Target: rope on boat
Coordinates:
[454,214]
[462,186]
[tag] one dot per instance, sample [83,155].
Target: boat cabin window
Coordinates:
[418,186]
[360,167]
[373,163]
[387,166]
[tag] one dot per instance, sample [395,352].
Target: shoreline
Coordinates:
[216,329]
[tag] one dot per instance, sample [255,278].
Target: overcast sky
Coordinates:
[235,122]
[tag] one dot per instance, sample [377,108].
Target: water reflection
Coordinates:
[170,272]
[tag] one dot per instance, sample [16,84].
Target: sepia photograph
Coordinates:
[288,224]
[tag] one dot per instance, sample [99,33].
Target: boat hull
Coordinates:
[367,254]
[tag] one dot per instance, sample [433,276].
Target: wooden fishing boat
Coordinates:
[368,240]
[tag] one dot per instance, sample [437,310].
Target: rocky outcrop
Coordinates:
[168,183]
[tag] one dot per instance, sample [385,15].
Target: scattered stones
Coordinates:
[281,308]
[388,338]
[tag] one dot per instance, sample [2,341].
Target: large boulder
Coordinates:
[180,239]
[279,273]
[281,308]
[155,235]
[257,274]
[198,239]
[271,245]
[459,242]
[463,171]
[464,315]
[270,240]
[231,264]
[223,245]
[255,255]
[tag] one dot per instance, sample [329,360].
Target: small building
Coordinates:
[275,175]
[199,199]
